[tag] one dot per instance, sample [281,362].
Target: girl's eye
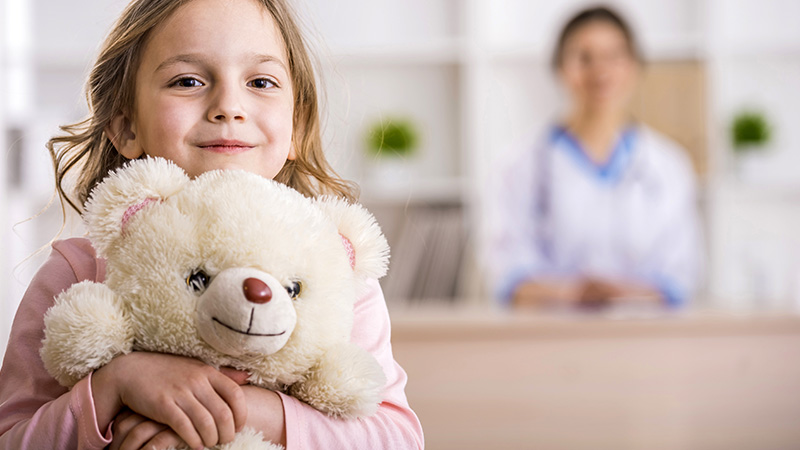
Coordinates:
[294,289]
[198,281]
[187,83]
[262,83]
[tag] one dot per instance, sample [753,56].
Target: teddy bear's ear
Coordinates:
[126,193]
[361,236]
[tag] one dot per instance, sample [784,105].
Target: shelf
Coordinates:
[434,190]
[731,189]
[656,48]
[444,51]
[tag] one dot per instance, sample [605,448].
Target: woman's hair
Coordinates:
[110,91]
[593,15]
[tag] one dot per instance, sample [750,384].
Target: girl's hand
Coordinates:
[132,432]
[201,404]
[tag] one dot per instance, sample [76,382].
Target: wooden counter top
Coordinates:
[696,380]
[484,323]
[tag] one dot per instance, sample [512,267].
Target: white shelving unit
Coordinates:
[487,64]
[753,61]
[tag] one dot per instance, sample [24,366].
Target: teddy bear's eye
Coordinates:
[198,281]
[294,289]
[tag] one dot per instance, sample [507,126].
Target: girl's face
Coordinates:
[213,91]
[597,68]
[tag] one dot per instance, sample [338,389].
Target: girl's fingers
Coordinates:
[140,434]
[238,376]
[201,421]
[124,422]
[222,414]
[164,440]
[233,396]
[183,425]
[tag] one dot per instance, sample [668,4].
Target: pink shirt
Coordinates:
[38,413]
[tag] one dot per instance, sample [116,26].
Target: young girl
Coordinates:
[209,84]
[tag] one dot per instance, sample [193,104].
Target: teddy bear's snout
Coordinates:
[256,291]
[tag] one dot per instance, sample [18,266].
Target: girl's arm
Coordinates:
[288,421]
[35,411]
[394,426]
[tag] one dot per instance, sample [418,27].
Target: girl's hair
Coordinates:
[110,91]
[594,15]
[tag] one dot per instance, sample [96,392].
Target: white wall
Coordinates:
[474,73]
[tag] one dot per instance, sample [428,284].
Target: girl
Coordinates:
[209,84]
[604,210]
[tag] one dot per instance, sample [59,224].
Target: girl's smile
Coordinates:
[213,91]
[226,146]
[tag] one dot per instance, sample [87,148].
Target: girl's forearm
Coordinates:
[107,402]
[265,413]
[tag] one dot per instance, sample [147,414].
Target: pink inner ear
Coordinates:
[351,252]
[133,209]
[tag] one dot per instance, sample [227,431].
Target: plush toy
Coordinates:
[230,268]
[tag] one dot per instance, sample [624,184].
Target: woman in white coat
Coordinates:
[603,209]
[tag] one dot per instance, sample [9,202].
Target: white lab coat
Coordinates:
[557,213]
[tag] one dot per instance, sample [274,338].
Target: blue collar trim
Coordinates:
[610,171]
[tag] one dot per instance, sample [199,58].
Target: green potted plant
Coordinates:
[750,132]
[392,137]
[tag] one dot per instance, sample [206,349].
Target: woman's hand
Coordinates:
[600,293]
[199,403]
[593,293]
[546,293]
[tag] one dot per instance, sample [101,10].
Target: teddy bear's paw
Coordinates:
[347,382]
[247,439]
[84,330]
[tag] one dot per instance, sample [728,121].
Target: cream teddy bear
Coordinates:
[232,269]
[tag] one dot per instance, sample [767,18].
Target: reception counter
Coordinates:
[483,379]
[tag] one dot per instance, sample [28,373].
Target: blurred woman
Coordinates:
[604,210]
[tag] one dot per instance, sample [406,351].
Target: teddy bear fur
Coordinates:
[178,254]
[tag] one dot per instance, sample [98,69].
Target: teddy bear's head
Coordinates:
[233,268]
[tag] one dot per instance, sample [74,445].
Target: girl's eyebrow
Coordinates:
[190,58]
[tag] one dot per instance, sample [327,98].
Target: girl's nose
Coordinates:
[256,291]
[226,106]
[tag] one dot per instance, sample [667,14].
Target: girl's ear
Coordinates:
[362,237]
[126,195]
[123,135]
[293,149]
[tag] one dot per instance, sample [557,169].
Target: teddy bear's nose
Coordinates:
[256,291]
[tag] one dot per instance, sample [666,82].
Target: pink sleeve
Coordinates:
[35,411]
[394,426]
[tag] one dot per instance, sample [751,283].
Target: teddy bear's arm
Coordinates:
[86,327]
[347,382]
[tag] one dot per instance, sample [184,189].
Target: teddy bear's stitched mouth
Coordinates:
[248,333]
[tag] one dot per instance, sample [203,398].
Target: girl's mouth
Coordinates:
[225,146]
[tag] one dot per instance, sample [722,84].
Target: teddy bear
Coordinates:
[230,268]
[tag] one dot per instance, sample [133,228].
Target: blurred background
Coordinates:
[468,80]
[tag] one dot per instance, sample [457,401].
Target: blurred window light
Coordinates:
[18,56]
[18,28]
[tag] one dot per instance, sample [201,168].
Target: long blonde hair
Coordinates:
[110,90]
